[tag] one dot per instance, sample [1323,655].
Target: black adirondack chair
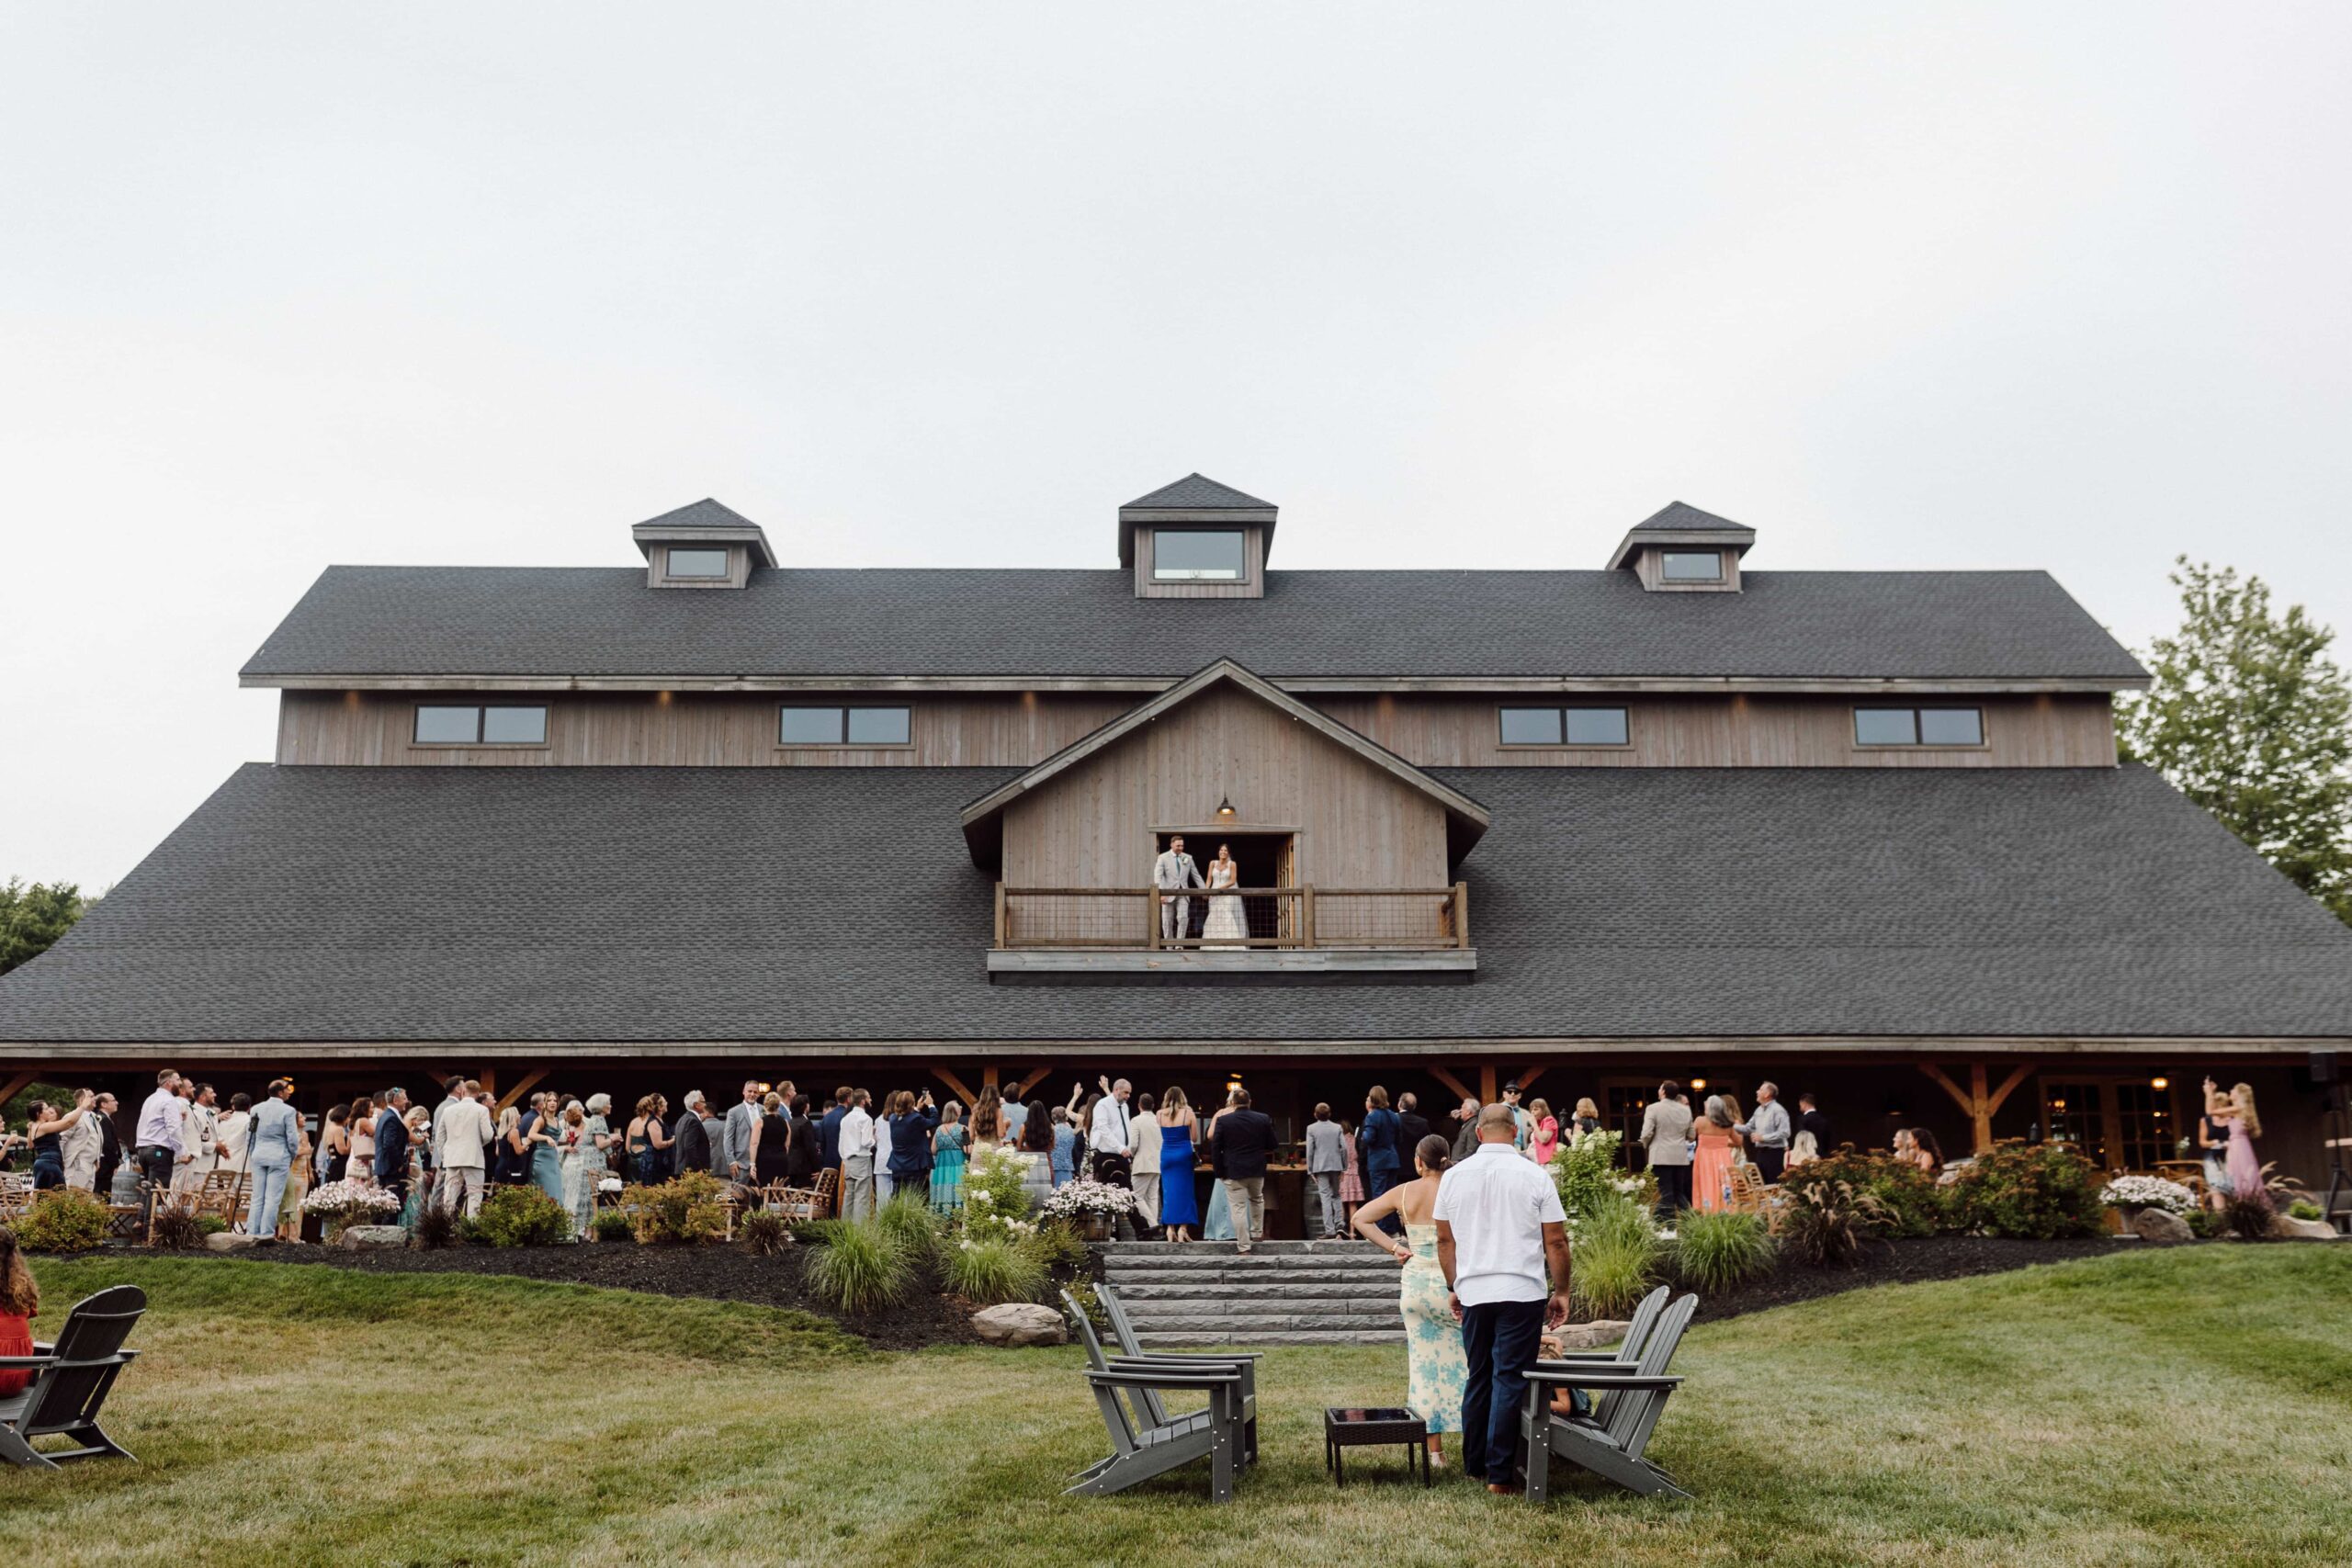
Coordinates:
[71,1379]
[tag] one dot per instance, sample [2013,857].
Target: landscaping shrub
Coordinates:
[858,1268]
[988,1272]
[1716,1251]
[1590,1180]
[178,1230]
[2033,1191]
[762,1232]
[436,1226]
[2203,1224]
[1827,1222]
[996,1205]
[1913,1204]
[1615,1260]
[683,1209]
[2247,1215]
[1059,1249]
[2305,1209]
[63,1220]
[521,1216]
[611,1224]
[909,1221]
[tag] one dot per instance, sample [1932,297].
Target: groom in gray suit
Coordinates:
[1173,873]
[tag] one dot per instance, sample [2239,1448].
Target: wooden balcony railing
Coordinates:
[1331,918]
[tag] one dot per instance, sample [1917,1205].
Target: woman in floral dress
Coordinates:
[1436,1373]
[1351,1179]
[947,1160]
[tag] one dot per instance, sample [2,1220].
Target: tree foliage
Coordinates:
[2250,719]
[33,916]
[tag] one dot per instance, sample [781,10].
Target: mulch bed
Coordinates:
[719,1273]
[1899,1263]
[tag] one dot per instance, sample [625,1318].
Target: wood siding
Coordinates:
[690,729]
[1253,557]
[2052,731]
[1018,730]
[1649,565]
[1356,826]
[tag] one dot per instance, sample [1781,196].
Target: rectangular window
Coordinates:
[846,727]
[697,563]
[1531,726]
[505,724]
[1596,726]
[1690,565]
[1198,554]
[1564,727]
[1918,726]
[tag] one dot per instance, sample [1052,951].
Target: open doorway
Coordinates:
[1262,861]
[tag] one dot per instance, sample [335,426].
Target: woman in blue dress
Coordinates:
[1180,1205]
[547,1148]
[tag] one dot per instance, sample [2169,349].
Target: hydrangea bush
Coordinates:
[350,1203]
[996,1203]
[1085,1195]
[2148,1192]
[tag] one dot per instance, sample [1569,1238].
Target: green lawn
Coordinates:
[2190,1407]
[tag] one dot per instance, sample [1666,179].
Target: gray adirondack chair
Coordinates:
[71,1379]
[1150,1410]
[1609,1443]
[1627,1352]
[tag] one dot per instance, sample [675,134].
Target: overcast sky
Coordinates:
[1957,285]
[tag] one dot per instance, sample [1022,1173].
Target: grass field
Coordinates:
[2190,1407]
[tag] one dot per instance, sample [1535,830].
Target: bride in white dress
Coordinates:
[1225,926]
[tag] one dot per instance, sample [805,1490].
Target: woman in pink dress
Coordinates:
[1351,1179]
[2245,1169]
[1710,1168]
[1547,1140]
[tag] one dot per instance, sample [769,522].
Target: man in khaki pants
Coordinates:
[461,1132]
[1246,1139]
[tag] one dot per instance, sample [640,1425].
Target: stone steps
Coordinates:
[1284,1293]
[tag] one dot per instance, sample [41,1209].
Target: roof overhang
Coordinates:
[649,534]
[1192,517]
[1501,685]
[983,820]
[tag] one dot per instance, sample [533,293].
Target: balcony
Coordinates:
[1142,935]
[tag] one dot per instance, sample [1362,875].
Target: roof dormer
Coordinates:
[1684,550]
[702,546]
[1197,539]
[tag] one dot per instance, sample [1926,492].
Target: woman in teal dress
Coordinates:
[947,1160]
[1436,1373]
[547,1151]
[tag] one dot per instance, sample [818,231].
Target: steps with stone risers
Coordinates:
[1284,1293]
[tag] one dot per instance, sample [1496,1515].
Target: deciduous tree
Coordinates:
[31,918]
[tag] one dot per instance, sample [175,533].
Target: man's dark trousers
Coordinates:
[1379,1179]
[1673,1189]
[1498,1340]
[1768,1162]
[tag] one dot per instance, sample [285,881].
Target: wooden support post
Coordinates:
[1461,1090]
[999,914]
[489,1081]
[1978,1104]
[958,1086]
[1487,1091]
[1151,918]
[988,1076]
[1461,914]
[1307,917]
[523,1086]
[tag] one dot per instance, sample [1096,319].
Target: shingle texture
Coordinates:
[705,904]
[592,621]
[1681,517]
[1202,492]
[702,514]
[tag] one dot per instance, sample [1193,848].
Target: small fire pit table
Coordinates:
[1358,1427]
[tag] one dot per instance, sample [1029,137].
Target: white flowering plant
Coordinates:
[351,1202]
[996,1197]
[2148,1192]
[609,1184]
[1089,1197]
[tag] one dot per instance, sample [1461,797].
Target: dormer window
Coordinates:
[697,562]
[1691,566]
[1199,555]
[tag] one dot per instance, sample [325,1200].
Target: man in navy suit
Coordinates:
[391,1144]
[829,1130]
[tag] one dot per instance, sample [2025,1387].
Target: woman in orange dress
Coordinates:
[1711,1167]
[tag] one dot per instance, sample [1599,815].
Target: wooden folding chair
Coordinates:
[70,1383]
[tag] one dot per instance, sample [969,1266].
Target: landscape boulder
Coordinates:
[1596,1335]
[2288,1228]
[373,1236]
[230,1241]
[1021,1323]
[2161,1226]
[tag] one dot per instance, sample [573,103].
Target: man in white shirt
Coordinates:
[857,1157]
[1500,1232]
[461,1130]
[1768,1132]
[200,1141]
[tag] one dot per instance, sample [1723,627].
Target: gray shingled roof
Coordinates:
[685,904]
[1678,517]
[1200,493]
[702,514]
[559,621]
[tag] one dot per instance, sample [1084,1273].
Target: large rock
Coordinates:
[2161,1227]
[2286,1226]
[230,1241]
[1021,1323]
[373,1236]
[1593,1335]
